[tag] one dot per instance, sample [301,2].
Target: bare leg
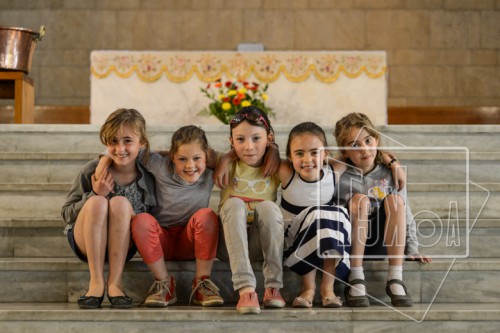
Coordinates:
[395,229]
[358,209]
[91,239]
[328,279]
[308,288]
[120,215]
[159,269]
[203,267]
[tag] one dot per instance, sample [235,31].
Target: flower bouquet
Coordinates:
[229,97]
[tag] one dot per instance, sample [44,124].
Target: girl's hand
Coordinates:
[104,185]
[272,160]
[398,173]
[419,257]
[221,172]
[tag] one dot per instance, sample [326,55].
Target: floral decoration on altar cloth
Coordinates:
[267,66]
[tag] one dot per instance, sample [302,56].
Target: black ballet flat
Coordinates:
[120,302]
[90,302]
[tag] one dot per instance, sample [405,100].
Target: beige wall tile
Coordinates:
[424,4]
[484,57]
[64,82]
[380,4]
[118,4]
[478,81]
[148,30]
[457,30]
[331,4]
[421,81]
[490,30]
[284,4]
[431,57]
[469,4]
[207,4]
[329,30]
[211,30]
[243,4]
[274,29]
[397,29]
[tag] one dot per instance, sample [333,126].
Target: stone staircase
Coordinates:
[454,190]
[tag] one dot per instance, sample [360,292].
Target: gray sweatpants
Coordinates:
[262,240]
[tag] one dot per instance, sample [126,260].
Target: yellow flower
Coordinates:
[226,106]
[232,92]
[242,91]
[245,103]
[222,96]
[264,97]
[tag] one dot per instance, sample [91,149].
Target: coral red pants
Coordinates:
[197,240]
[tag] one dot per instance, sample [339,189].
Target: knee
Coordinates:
[206,220]
[269,212]
[120,205]
[359,205]
[233,209]
[142,224]
[97,204]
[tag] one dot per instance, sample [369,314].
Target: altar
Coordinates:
[319,86]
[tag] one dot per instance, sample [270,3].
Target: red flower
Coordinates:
[228,84]
[236,101]
[226,99]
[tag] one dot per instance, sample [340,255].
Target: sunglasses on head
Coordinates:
[256,118]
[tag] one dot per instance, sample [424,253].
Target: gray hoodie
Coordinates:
[377,184]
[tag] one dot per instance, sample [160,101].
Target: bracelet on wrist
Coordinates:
[391,162]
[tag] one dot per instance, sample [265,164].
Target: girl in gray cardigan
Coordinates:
[382,224]
[99,210]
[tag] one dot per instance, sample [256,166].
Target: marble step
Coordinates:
[64,317]
[62,280]
[85,138]
[435,200]
[43,238]
[421,167]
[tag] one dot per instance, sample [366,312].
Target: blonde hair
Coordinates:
[125,117]
[355,120]
[188,134]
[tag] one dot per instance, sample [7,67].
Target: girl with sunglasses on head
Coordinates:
[180,226]
[252,223]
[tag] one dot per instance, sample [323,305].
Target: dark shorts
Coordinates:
[71,239]
[375,241]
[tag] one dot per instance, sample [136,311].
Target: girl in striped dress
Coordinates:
[317,233]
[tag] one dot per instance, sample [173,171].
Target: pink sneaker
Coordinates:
[248,303]
[273,299]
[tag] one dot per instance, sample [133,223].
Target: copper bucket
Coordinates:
[17,46]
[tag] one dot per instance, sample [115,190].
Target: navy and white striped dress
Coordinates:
[315,228]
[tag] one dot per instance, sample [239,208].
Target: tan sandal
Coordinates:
[302,302]
[331,302]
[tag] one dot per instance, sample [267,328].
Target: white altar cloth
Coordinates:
[165,86]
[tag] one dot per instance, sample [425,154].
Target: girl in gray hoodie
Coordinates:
[382,224]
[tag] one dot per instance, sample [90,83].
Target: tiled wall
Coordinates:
[440,52]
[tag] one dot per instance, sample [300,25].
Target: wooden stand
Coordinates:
[19,86]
